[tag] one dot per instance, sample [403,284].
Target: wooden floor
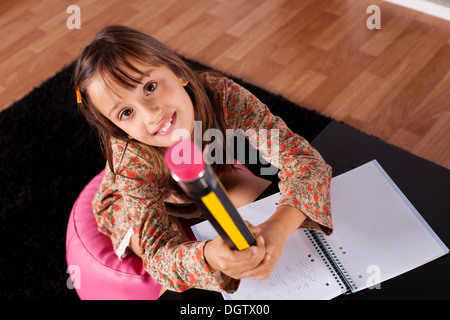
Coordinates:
[393,83]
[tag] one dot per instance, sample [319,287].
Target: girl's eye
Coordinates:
[125,114]
[149,88]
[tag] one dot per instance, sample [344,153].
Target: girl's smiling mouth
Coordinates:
[166,125]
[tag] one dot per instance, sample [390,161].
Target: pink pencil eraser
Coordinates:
[185,160]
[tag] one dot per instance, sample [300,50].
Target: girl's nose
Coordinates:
[152,115]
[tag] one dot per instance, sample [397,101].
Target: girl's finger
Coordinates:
[260,272]
[264,270]
[253,229]
[247,255]
[248,259]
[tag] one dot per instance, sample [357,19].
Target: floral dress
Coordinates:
[134,203]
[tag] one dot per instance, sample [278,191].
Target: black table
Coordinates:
[425,184]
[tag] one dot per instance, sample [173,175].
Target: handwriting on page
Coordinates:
[288,280]
[299,274]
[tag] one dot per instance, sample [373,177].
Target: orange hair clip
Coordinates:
[79,96]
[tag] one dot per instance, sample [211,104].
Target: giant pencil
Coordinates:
[188,168]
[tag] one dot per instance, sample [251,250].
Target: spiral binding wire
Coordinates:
[332,261]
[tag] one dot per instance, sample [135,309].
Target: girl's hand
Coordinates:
[275,238]
[234,263]
[276,231]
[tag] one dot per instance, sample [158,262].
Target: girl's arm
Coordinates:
[177,265]
[304,176]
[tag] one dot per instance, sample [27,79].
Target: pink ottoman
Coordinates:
[95,270]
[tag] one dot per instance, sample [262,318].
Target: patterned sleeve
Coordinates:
[304,176]
[177,266]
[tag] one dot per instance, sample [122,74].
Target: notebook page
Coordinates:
[377,232]
[300,272]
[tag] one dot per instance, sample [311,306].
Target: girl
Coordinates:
[137,92]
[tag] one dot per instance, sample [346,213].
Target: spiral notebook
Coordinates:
[378,235]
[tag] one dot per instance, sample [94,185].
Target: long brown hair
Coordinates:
[110,55]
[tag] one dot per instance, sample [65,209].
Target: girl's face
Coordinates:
[150,112]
